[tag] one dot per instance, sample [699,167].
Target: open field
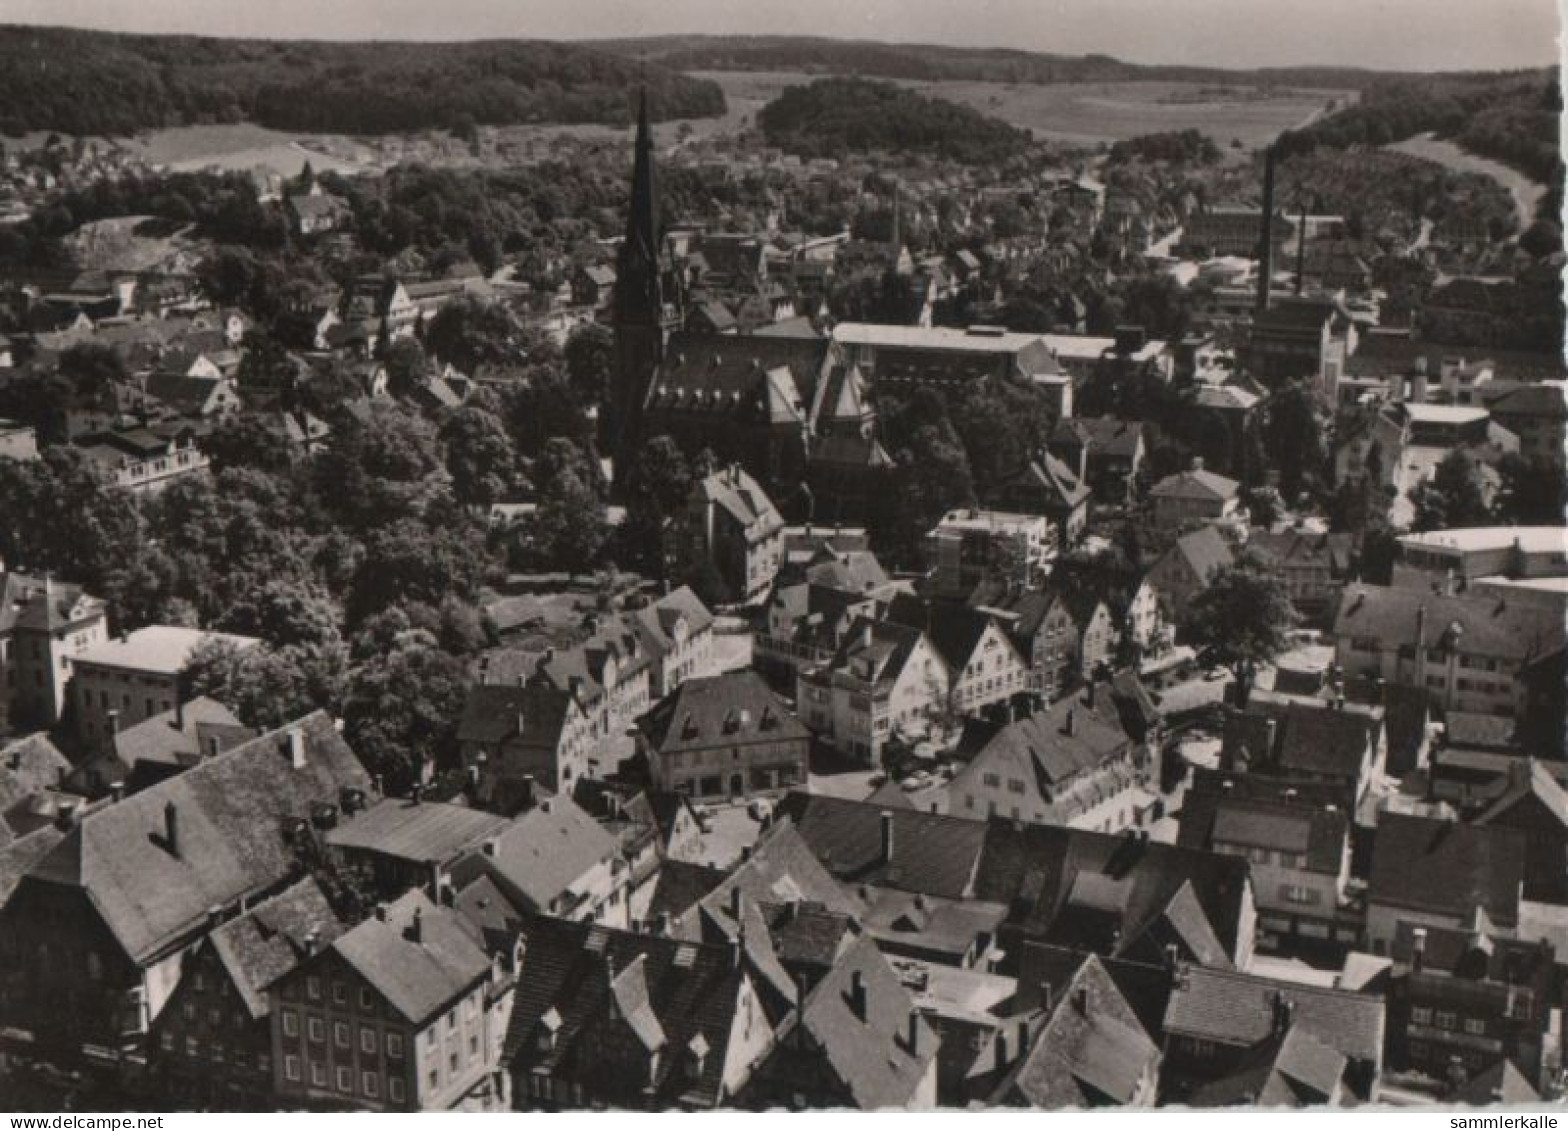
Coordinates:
[1526,193]
[1088,113]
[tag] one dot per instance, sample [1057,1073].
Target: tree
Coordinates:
[479,457]
[1452,497]
[1293,438]
[1531,492]
[569,529]
[407,366]
[471,334]
[590,364]
[1240,618]
[660,481]
[267,688]
[400,713]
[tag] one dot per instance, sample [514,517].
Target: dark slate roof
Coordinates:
[230,813]
[934,854]
[1486,626]
[679,990]
[18,857]
[1333,552]
[869,1054]
[274,937]
[494,713]
[1447,868]
[1106,434]
[1502,1083]
[181,737]
[541,853]
[420,956]
[1195,484]
[1232,1008]
[725,710]
[1099,891]
[1295,1070]
[1205,550]
[1058,744]
[27,766]
[1472,953]
[420,832]
[679,886]
[956,630]
[1088,1049]
[1309,737]
[1277,825]
[730,366]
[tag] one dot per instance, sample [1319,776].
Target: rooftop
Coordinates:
[158,649]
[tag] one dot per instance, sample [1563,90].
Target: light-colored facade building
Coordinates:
[970,546]
[884,680]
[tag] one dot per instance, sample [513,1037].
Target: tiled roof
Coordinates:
[1253,819]
[1294,1071]
[42,604]
[417,954]
[182,736]
[547,849]
[1487,626]
[416,831]
[743,499]
[1052,746]
[229,815]
[720,711]
[931,853]
[1502,1083]
[1196,484]
[679,886]
[27,766]
[1087,1049]
[688,989]
[1245,1010]
[1447,868]
[158,649]
[956,630]
[869,1052]
[272,938]
[494,713]
[1205,550]
[1046,873]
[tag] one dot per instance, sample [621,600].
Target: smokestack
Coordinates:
[857,994]
[887,836]
[171,829]
[1266,251]
[1418,949]
[914,1033]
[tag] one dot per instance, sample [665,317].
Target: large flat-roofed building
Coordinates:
[1451,559]
[129,679]
[943,355]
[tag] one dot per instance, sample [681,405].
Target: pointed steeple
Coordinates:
[638,297]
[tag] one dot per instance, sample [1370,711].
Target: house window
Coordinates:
[994,780]
[291,1067]
[192,1046]
[370,1084]
[340,1034]
[167,1041]
[395,1090]
[339,993]
[395,1046]
[1420,1015]
[1446,1020]
[367,1000]
[345,1079]
[318,1074]
[367,1040]
[315,1029]
[1475,1026]
[313,988]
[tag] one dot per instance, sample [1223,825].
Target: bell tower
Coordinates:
[638,316]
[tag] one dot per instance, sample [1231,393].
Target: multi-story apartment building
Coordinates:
[971,546]
[733,529]
[389,1016]
[884,680]
[123,681]
[1470,653]
[727,736]
[44,626]
[142,462]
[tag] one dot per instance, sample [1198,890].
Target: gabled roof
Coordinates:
[1279,826]
[1195,484]
[1295,1070]
[723,710]
[1486,626]
[1103,892]
[955,630]
[547,849]
[934,854]
[688,989]
[418,832]
[27,766]
[1205,551]
[42,604]
[1447,868]
[740,496]
[1086,1049]
[1502,1083]
[273,938]
[417,954]
[1529,779]
[869,1051]
[1246,1010]
[533,715]
[228,814]
[885,646]
[181,736]
[1049,748]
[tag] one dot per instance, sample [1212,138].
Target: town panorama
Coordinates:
[709,572]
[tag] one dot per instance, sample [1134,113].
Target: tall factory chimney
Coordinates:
[1266,250]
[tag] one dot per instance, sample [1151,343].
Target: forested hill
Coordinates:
[88,82]
[931,62]
[1510,117]
[835,116]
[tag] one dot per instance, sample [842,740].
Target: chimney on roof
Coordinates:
[999,1047]
[381,912]
[857,994]
[214,746]
[1418,949]
[914,1033]
[737,902]
[1081,999]
[1070,722]
[297,756]
[887,836]
[1284,1011]
[312,941]
[737,948]
[171,828]
[117,791]
[179,711]
[416,927]
[114,720]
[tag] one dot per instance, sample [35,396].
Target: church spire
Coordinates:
[637,292]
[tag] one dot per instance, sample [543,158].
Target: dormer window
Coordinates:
[549,1030]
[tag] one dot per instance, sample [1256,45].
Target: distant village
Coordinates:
[893,695]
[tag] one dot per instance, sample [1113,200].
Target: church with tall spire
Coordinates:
[638,319]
